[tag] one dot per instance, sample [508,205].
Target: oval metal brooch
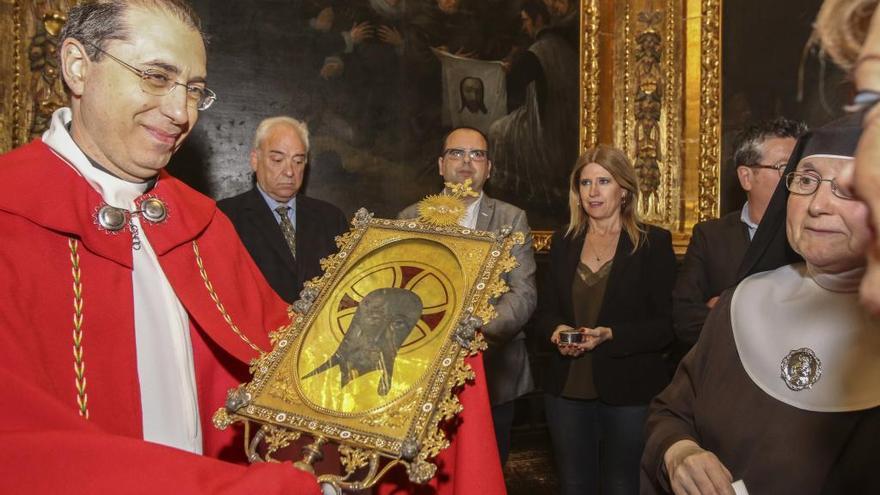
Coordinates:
[801,368]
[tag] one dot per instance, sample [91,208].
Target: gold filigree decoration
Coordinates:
[508,264]
[46,88]
[421,471]
[589,75]
[79,365]
[329,263]
[462,374]
[393,418]
[221,419]
[449,408]
[344,239]
[710,108]
[17,72]
[486,313]
[216,299]
[479,344]
[352,458]
[278,438]
[283,389]
[448,208]
[541,240]
[648,105]
[497,288]
[433,444]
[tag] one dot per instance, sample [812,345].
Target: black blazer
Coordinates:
[710,267]
[629,369]
[317,224]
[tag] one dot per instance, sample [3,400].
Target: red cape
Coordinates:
[48,447]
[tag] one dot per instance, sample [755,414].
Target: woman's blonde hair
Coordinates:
[841,28]
[618,165]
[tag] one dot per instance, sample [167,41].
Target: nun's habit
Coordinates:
[785,379]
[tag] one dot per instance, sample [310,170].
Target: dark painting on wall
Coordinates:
[774,73]
[369,79]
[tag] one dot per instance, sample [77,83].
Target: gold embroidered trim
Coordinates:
[79,365]
[220,307]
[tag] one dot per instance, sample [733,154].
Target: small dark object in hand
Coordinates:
[571,337]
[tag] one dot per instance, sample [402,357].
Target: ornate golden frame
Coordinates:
[377,411]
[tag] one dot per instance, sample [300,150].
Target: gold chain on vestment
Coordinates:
[216,299]
[79,365]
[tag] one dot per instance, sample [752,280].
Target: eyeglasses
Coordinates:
[159,83]
[807,183]
[458,154]
[779,167]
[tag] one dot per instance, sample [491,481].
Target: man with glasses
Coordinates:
[464,156]
[128,306]
[286,232]
[717,246]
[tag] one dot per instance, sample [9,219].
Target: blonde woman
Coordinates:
[610,286]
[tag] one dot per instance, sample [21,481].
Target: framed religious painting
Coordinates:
[375,351]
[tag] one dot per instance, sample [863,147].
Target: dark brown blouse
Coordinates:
[587,293]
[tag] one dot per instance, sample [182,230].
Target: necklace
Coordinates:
[604,253]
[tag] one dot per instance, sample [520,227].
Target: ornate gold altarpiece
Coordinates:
[650,84]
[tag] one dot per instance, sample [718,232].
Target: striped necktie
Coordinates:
[287,228]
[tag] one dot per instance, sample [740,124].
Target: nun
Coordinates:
[783,386]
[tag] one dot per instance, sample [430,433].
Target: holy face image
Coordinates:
[472,93]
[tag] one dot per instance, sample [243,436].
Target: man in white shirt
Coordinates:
[464,155]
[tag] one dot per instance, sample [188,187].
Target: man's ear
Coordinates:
[254,159]
[488,169]
[75,64]
[440,165]
[745,177]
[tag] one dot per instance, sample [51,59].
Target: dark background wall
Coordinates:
[763,44]
[376,129]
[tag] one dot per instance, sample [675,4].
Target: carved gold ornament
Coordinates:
[374,354]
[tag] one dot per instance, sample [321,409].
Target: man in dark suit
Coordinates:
[717,246]
[464,156]
[286,232]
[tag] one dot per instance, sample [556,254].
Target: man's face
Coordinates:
[457,171]
[280,162]
[528,25]
[760,183]
[130,132]
[472,94]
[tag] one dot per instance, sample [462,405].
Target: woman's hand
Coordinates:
[695,471]
[595,336]
[573,350]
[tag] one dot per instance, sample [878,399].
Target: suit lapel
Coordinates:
[264,221]
[487,211]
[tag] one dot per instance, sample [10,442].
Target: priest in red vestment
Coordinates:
[129,306]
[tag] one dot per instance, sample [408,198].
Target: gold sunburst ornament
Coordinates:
[447,208]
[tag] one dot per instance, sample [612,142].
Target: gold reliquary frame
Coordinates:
[374,354]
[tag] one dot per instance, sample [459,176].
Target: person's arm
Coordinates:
[691,293]
[515,307]
[653,332]
[672,441]
[48,448]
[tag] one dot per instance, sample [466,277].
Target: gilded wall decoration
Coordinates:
[589,74]
[647,103]
[29,68]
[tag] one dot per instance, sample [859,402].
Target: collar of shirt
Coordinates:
[744,217]
[275,204]
[470,215]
